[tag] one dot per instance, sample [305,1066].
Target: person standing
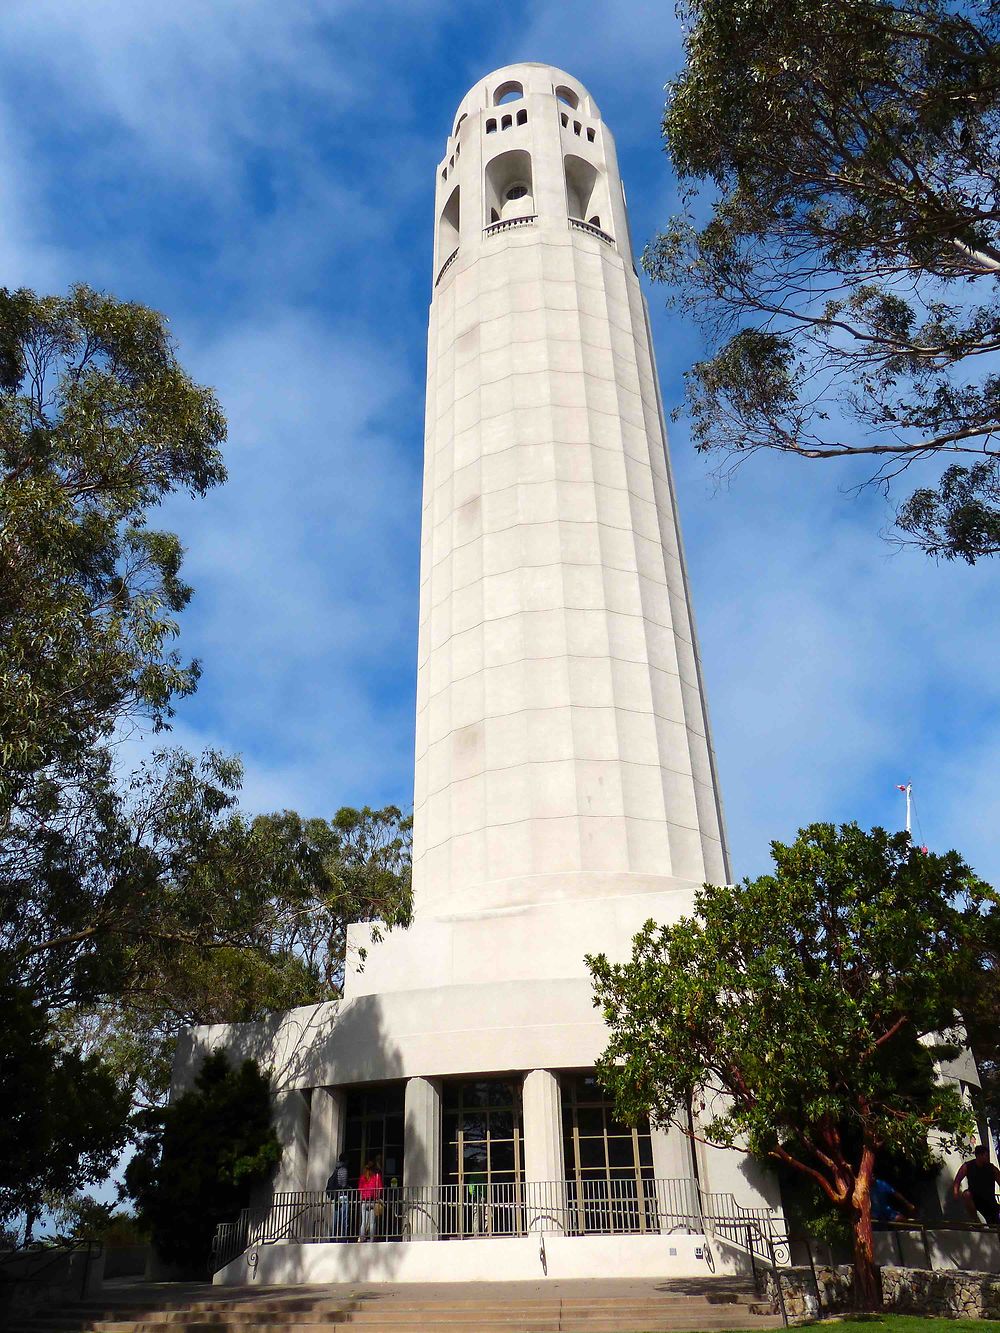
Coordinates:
[370,1193]
[981,1196]
[339,1195]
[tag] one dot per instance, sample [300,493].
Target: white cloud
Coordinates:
[263,173]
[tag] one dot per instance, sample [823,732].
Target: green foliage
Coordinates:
[130,905]
[805,1009]
[98,422]
[847,275]
[82,1217]
[64,1113]
[200,1158]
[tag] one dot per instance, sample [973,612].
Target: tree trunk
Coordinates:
[867,1284]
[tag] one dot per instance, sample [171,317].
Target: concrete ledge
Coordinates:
[518,1259]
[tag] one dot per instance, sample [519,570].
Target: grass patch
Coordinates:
[905,1323]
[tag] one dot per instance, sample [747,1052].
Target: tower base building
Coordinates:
[565,786]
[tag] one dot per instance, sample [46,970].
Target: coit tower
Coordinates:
[563,756]
[565,788]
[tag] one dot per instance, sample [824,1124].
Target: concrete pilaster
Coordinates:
[673,1168]
[326,1135]
[544,1168]
[422,1154]
[291,1124]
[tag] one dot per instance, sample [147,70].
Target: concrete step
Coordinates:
[364,1315]
[624,1322]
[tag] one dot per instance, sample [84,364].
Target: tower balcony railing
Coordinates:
[591,230]
[466,1212]
[508,224]
[446,265]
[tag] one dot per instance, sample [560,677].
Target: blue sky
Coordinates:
[263,174]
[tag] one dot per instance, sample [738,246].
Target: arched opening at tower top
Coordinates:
[509,187]
[568,96]
[508,92]
[448,226]
[587,192]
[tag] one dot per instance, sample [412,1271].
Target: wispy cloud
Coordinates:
[263,173]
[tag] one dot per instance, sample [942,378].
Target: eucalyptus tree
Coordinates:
[840,243]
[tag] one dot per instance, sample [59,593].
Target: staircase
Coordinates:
[556,1307]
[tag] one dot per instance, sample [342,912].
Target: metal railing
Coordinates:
[470,1211]
[507,224]
[446,265]
[760,1233]
[591,230]
[38,1260]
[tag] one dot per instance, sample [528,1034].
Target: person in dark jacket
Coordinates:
[340,1197]
[982,1178]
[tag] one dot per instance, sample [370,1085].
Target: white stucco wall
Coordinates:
[562,749]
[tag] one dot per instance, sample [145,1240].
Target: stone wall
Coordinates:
[950,1293]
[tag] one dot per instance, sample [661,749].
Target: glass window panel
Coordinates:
[374,1101]
[394,1129]
[645,1150]
[590,1120]
[501,1124]
[502,1093]
[501,1157]
[474,1157]
[616,1126]
[395,1097]
[476,1094]
[352,1136]
[591,1152]
[474,1126]
[621,1152]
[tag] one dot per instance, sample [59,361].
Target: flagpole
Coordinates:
[906,792]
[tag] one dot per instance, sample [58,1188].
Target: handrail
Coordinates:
[430,1212]
[51,1252]
[759,1232]
[446,265]
[506,224]
[592,230]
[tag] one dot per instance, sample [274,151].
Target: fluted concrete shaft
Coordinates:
[562,739]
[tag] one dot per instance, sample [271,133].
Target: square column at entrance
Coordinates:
[291,1124]
[327,1113]
[674,1177]
[422,1155]
[544,1166]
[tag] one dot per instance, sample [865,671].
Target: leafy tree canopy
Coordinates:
[64,1116]
[847,274]
[200,1158]
[98,422]
[805,1010]
[130,905]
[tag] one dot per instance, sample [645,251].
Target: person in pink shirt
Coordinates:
[370,1192]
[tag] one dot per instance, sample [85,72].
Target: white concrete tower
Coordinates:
[563,752]
[565,789]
